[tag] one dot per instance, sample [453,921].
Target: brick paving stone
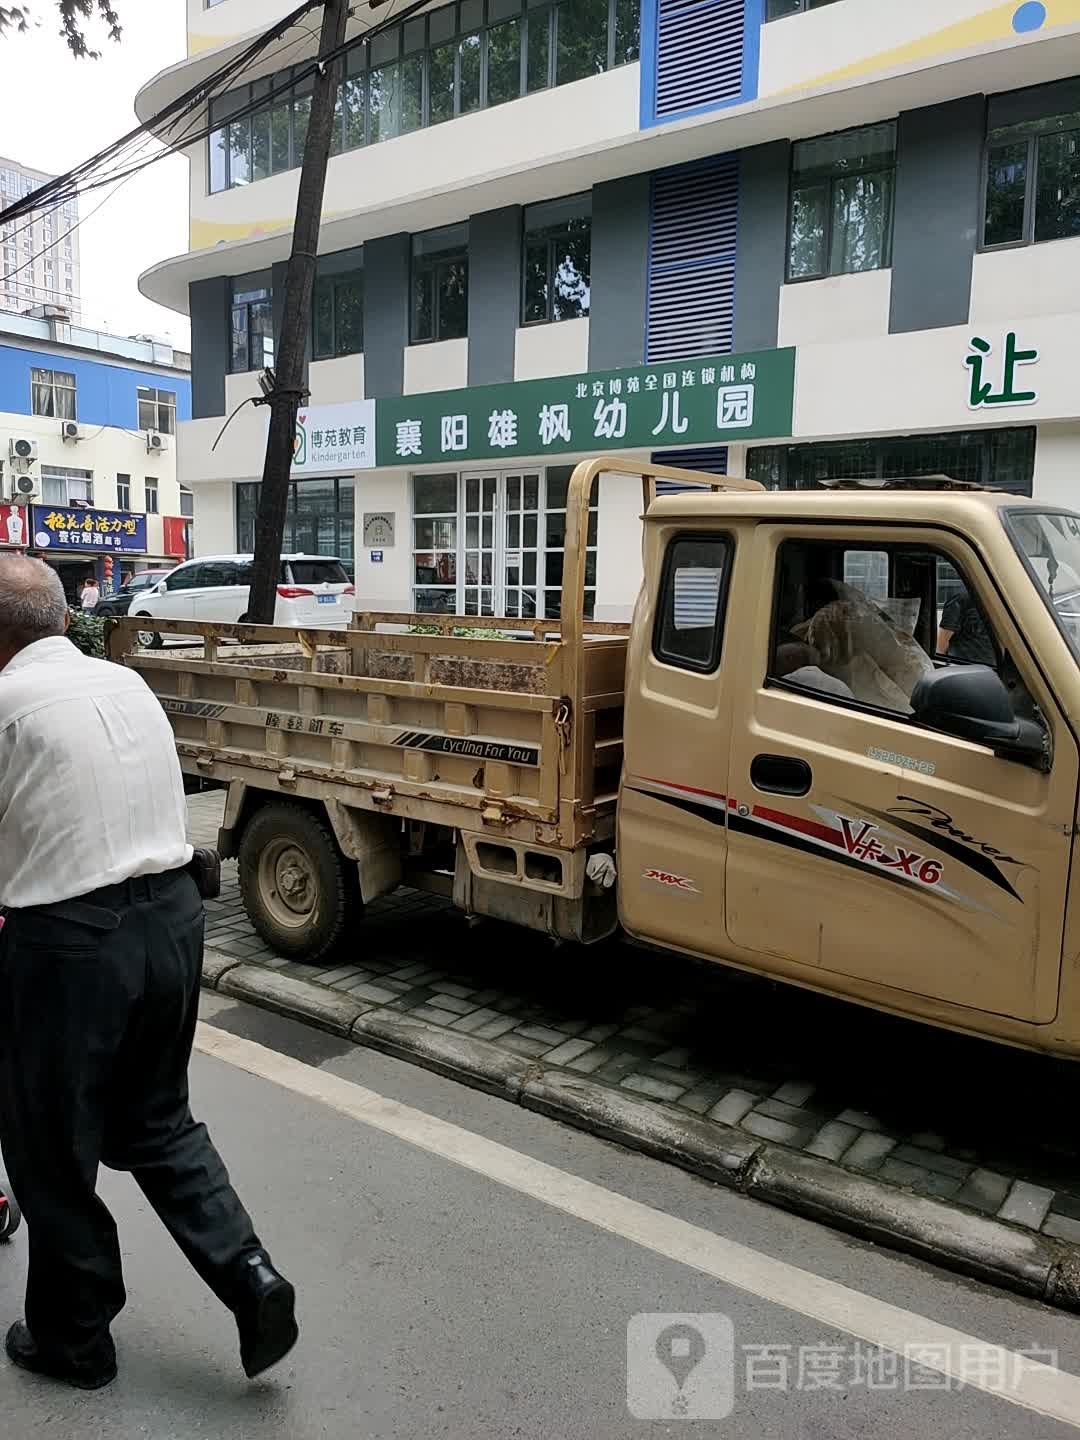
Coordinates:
[768,1129]
[615,1070]
[678,1059]
[931,1160]
[1062,1228]
[436,1016]
[702,1097]
[655,1089]
[567,1051]
[467,1024]
[794,1092]
[985,1190]
[365,990]
[832,1140]
[399,987]
[641,1035]
[521,1045]
[868,1151]
[492,1029]
[901,1173]
[572,1028]
[332,977]
[791,1114]
[589,1061]
[1026,1205]
[452,1002]
[732,1108]
[599,1033]
[484,997]
[1066,1204]
[447,987]
[927,1140]
[859,1118]
[545,1033]
[669,1075]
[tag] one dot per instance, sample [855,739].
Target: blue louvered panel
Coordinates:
[693,234]
[700,53]
[710,459]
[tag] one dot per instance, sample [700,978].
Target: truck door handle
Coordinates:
[781,774]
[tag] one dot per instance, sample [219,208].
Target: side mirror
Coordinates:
[972,702]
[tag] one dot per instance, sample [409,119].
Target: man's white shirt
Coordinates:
[91,791]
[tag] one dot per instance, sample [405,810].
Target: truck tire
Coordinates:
[299,891]
[148,639]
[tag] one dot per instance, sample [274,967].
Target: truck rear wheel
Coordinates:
[300,892]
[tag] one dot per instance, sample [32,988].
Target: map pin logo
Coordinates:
[680,1349]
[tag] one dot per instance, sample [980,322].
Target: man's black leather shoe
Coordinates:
[265,1316]
[22,1350]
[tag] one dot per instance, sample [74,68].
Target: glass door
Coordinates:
[521,545]
[481,498]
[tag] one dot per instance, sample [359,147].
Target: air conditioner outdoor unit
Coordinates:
[19,488]
[156,441]
[69,430]
[23,450]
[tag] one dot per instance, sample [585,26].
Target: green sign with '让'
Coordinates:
[706,401]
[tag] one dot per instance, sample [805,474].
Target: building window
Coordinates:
[457,59]
[187,501]
[842,203]
[60,485]
[53,393]
[252,330]
[338,315]
[157,410]
[151,495]
[319,519]
[557,260]
[440,284]
[994,459]
[123,492]
[493,544]
[1033,182]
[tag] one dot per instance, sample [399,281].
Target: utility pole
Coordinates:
[287,390]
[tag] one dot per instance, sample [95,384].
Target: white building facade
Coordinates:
[796,239]
[88,473]
[39,255]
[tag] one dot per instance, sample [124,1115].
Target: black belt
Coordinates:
[98,908]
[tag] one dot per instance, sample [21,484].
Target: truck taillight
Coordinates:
[293,592]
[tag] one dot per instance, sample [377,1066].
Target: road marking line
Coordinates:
[1005,1374]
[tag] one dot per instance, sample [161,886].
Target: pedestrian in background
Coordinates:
[90,593]
[101,952]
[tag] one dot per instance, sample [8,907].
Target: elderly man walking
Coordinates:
[101,951]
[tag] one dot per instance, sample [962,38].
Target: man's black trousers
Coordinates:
[98,1006]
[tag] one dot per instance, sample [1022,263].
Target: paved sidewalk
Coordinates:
[978,1125]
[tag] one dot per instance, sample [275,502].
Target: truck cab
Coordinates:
[813,790]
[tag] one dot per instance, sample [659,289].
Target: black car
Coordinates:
[118,604]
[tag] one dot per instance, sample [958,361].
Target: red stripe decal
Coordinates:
[686,789]
[813,828]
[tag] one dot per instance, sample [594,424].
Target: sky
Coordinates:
[58,111]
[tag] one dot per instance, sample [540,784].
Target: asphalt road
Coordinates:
[469,1269]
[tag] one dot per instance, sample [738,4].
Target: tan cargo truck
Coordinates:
[837,746]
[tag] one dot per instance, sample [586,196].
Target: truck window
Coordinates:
[840,634]
[689,621]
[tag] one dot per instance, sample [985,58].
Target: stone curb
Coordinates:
[956,1239]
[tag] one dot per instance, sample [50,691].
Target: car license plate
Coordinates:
[327,599]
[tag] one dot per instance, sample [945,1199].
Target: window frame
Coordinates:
[869,169]
[433,264]
[151,488]
[163,403]
[804,7]
[247,301]
[551,235]
[666,592]
[54,389]
[123,491]
[334,282]
[1031,190]
[249,103]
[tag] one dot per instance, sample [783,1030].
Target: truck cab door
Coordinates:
[672,804]
[870,854]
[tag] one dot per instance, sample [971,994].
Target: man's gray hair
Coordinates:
[32,601]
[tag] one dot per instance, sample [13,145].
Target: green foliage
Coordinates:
[87,633]
[74,17]
[459,632]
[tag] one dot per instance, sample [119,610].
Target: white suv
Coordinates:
[313,591]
